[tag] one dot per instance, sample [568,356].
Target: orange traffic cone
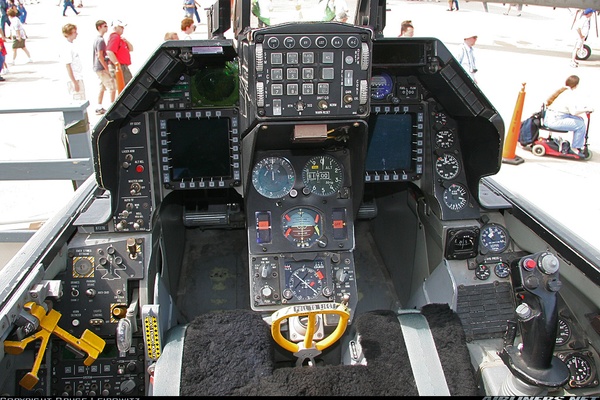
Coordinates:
[119,78]
[512,137]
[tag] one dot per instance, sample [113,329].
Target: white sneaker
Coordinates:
[29,61]
[574,64]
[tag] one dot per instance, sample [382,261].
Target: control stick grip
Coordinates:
[538,313]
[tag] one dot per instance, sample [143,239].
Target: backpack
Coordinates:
[530,129]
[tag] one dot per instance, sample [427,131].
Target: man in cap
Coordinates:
[466,55]
[581,29]
[118,50]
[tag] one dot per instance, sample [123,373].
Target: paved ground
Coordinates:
[533,48]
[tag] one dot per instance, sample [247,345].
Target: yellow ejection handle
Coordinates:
[311,311]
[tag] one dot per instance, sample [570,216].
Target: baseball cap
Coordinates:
[588,11]
[118,22]
[470,36]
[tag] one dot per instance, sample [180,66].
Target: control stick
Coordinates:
[536,282]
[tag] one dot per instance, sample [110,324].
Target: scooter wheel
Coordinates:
[538,150]
[583,53]
[588,155]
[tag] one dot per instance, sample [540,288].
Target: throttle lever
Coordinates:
[536,282]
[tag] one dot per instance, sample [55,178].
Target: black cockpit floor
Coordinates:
[231,353]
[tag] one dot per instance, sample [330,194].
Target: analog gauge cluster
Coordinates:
[275,177]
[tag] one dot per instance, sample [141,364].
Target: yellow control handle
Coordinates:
[311,311]
[89,342]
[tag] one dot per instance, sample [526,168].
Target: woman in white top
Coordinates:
[563,112]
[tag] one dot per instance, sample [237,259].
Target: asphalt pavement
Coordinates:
[532,49]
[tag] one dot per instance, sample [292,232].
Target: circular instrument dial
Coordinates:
[456,197]
[302,226]
[482,272]
[581,368]
[494,238]
[564,332]
[447,166]
[323,175]
[440,119]
[444,138]
[273,177]
[502,270]
[306,283]
[381,85]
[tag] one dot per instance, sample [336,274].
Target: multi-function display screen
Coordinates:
[395,147]
[390,143]
[199,148]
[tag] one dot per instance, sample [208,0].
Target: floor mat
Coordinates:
[230,353]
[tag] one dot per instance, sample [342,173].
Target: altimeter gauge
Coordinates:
[323,175]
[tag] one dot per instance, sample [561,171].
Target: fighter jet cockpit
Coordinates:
[300,210]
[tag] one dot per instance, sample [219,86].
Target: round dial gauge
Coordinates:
[306,283]
[455,197]
[494,238]
[273,177]
[447,166]
[440,119]
[323,175]
[302,226]
[502,270]
[381,85]
[581,369]
[444,138]
[482,272]
[564,332]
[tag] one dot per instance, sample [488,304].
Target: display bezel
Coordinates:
[171,142]
[415,153]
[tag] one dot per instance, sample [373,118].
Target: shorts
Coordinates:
[80,95]
[106,80]
[18,43]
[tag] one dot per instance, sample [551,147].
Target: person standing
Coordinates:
[406,29]
[3,53]
[119,50]
[581,30]
[107,82]
[69,4]
[4,18]
[18,35]
[69,56]
[191,9]
[466,56]
[564,110]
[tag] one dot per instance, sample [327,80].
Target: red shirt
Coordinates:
[118,46]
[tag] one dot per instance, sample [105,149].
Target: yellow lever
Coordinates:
[89,342]
[311,311]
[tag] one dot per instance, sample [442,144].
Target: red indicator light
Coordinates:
[320,275]
[139,168]
[338,224]
[263,225]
